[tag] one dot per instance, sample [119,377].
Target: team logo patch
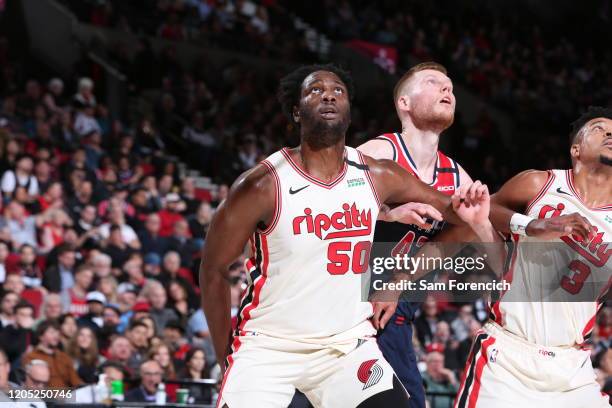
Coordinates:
[369,373]
[356,182]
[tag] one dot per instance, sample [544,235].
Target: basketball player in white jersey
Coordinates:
[309,215]
[530,354]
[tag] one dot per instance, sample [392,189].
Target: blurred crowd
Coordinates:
[100,233]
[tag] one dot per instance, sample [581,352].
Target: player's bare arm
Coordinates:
[516,194]
[249,204]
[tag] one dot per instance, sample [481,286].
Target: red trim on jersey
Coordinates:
[259,282]
[278,201]
[482,361]
[230,362]
[367,173]
[313,179]
[569,175]
[542,192]
[508,276]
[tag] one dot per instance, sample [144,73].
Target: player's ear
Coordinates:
[575,151]
[296,114]
[403,103]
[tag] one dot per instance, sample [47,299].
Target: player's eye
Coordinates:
[316,89]
[339,90]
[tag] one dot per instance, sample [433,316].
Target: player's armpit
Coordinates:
[249,203]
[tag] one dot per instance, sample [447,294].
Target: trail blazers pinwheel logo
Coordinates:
[369,373]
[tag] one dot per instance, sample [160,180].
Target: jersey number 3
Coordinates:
[581,272]
[343,255]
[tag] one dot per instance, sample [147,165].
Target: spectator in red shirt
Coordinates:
[171,214]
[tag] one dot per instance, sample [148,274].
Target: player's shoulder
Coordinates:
[380,147]
[533,178]
[258,180]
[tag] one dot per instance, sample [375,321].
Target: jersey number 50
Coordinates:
[343,254]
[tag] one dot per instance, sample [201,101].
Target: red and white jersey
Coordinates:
[307,267]
[576,269]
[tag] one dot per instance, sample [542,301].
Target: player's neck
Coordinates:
[323,163]
[593,183]
[422,145]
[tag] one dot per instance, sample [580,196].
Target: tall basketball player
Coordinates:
[425,105]
[530,354]
[309,215]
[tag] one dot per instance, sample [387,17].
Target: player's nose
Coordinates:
[328,95]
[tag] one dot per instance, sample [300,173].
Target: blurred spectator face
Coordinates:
[84,278]
[150,183]
[12,146]
[102,266]
[88,214]
[56,86]
[139,199]
[133,268]
[157,297]
[53,306]
[165,184]
[188,186]
[51,337]
[126,300]
[55,191]
[25,165]
[153,224]
[115,215]
[15,211]
[205,213]
[95,308]
[37,375]
[70,235]
[9,301]
[108,286]
[42,155]
[148,321]
[138,336]
[13,283]
[162,356]
[465,313]
[197,361]
[24,317]
[172,262]
[43,170]
[69,328]
[172,336]
[177,292]
[110,317]
[86,86]
[85,189]
[3,252]
[84,338]
[435,363]
[151,375]
[112,374]
[115,237]
[181,229]
[67,259]
[606,362]
[120,349]
[43,130]
[442,332]
[27,255]
[428,97]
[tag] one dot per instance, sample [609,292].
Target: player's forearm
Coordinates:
[216,304]
[485,232]
[500,218]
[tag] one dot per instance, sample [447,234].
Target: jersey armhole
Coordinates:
[367,174]
[277,198]
[542,192]
[383,137]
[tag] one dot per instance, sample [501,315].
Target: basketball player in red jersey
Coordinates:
[425,105]
[309,216]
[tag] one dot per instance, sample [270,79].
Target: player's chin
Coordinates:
[606,158]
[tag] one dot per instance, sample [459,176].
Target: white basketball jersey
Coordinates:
[306,268]
[576,269]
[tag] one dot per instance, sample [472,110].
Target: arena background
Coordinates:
[140,113]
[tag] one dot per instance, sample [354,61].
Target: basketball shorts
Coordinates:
[264,372]
[504,371]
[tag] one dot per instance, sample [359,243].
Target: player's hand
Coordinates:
[382,313]
[472,203]
[563,225]
[411,213]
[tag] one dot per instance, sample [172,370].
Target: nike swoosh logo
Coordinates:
[562,192]
[292,191]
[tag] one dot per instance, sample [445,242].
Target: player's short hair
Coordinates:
[591,113]
[410,73]
[288,93]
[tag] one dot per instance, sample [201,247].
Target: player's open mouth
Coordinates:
[446,100]
[329,113]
